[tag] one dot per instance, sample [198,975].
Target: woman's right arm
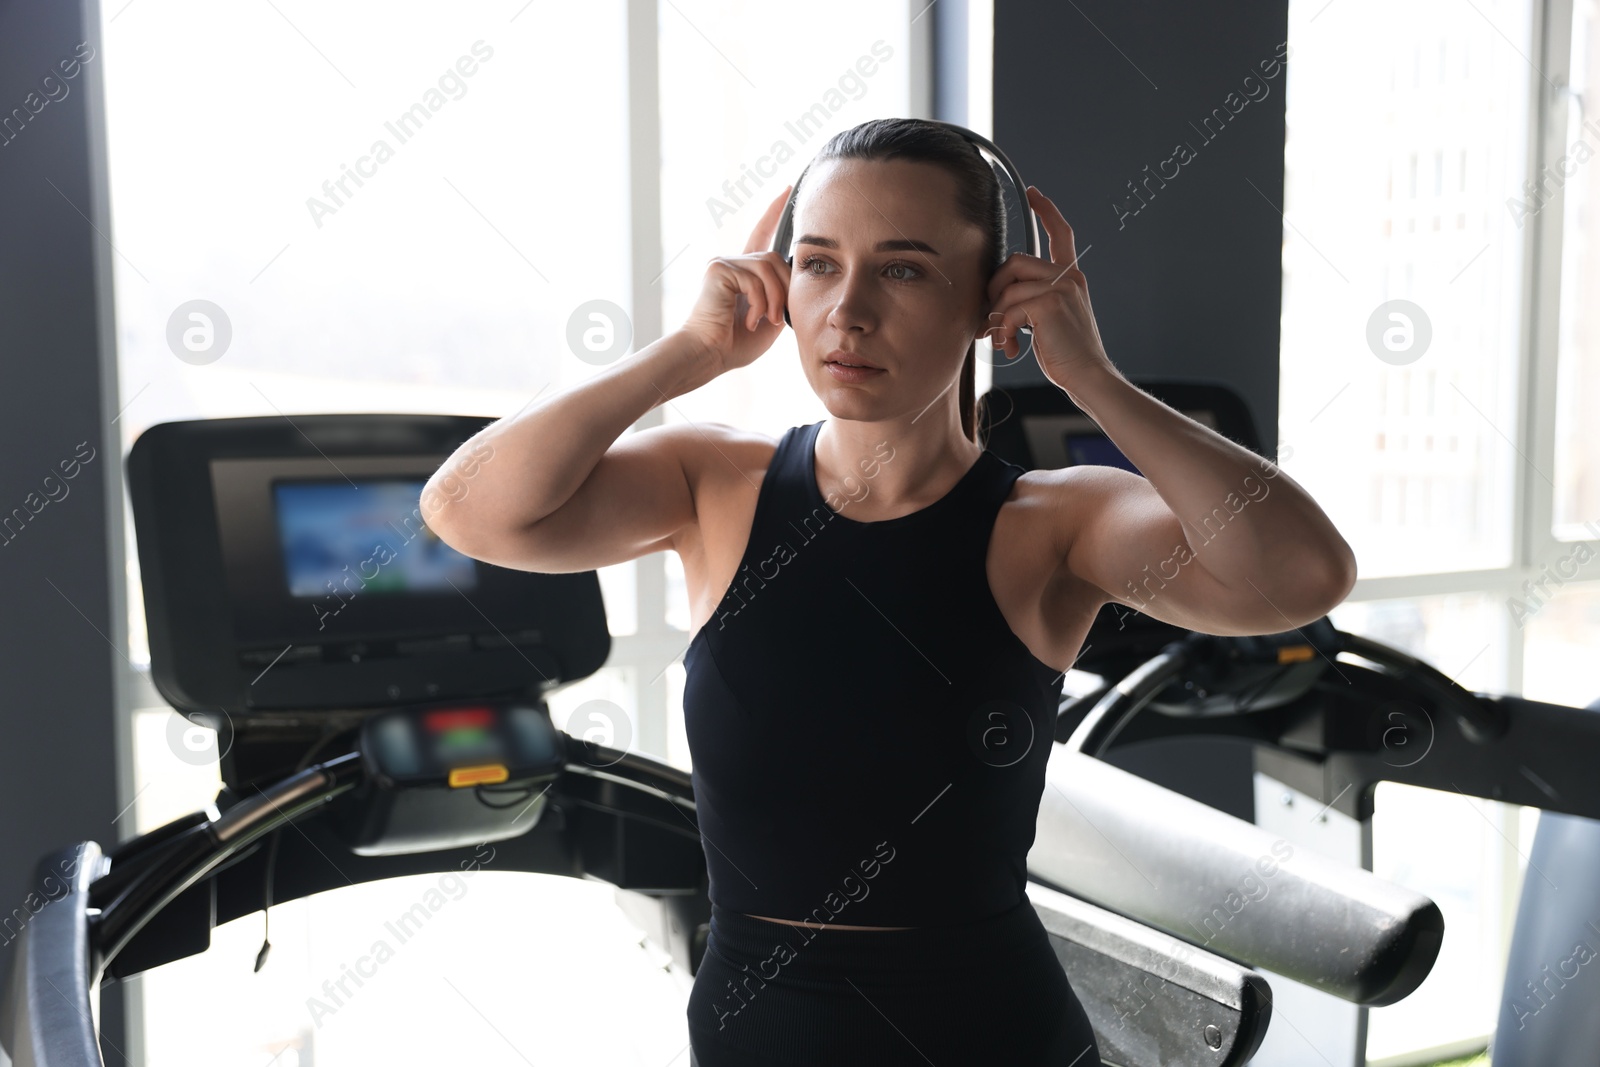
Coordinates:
[553,489]
[559,488]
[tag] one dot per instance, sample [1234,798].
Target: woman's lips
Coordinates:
[844,373]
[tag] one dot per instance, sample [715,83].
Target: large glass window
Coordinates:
[1574,188]
[1419,199]
[1402,313]
[1561,637]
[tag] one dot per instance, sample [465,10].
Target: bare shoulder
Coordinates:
[1061,501]
[1045,503]
[724,466]
[713,454]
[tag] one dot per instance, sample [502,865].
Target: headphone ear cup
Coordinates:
[789,260]
[783,238]
[785,235]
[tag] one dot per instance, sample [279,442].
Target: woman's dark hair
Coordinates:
[977,199]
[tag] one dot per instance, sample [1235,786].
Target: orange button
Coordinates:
[493,772]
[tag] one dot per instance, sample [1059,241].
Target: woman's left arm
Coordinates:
[1213,537]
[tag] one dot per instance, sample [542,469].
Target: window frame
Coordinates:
[1533,540]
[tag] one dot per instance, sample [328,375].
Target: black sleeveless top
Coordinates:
[868,735]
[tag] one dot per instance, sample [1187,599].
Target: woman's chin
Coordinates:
[849,401]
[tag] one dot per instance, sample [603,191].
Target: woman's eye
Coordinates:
[805,265]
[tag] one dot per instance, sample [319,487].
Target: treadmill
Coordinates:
[390,709]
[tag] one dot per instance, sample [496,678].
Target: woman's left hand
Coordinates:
[1051,296]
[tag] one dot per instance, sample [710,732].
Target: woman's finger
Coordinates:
[767,227]
[1017,292]
[756,293]
[743,284]
[753,285]
[1005,323]
[1020,267]
[773,287]
[771,275]
[1063,247]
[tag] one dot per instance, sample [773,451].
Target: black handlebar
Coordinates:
[201,848]
[1117,702]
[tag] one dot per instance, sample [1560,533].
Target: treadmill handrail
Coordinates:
[1163,859]
[211,843]
[1479,720]
[1099,728]
[47,1014]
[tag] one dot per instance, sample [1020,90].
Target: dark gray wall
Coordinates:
[63,630]
[1086,97]
[1186,284]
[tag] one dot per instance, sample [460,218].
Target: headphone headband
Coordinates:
[1002,166]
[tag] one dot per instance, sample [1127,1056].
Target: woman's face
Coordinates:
[885,270]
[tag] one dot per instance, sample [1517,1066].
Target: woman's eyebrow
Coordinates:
[903,244]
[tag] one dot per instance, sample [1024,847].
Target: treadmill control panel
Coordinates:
[450,775]
[462,744]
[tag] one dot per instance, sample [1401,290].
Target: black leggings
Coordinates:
[992,991]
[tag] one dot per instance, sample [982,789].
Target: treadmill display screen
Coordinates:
[371,531]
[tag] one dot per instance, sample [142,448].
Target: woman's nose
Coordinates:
[853,303]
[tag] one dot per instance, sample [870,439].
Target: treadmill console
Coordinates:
[288,567]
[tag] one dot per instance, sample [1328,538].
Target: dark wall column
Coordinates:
[63,630]
[1158,129]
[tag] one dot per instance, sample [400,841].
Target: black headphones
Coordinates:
[1020,217]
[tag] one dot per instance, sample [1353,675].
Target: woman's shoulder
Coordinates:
[711,453]
[1045,505]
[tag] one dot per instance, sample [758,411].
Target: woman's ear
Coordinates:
[983,322]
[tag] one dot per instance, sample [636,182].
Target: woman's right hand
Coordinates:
[740,309]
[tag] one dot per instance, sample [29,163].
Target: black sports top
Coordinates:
[868,735]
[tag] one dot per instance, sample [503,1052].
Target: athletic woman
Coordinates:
[883,610]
